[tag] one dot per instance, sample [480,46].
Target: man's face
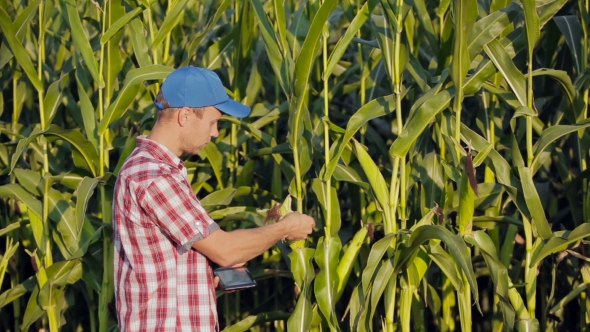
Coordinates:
[200,130]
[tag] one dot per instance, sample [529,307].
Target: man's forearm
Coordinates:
[229,248]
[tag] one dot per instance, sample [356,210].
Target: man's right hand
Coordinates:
[300,226]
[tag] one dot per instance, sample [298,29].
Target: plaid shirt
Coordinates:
[161,283]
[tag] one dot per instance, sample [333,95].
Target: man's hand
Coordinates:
[300,226]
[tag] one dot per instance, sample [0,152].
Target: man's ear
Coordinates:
[182,116]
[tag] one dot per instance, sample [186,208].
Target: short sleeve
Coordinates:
[176,211]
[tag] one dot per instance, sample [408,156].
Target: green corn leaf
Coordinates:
[129,92]
[215,158]
[378,249]
[486,68]
[68,227]
[571,29]
[349,174]
[326,282]
[220,197]
[74,137]
[87,111]
[568,298]
[421,234]
[120,24]
[139,42]
[58,275]
[16,191]
[303,274]
[523,111]
[574,97]
[504,64]
[20,24]
[375,108]
[29,180]
[346,263]
[249,322]
[443,7]
[85,242]
[286,167]
[514,43]
[446,264]
[281,24]
[311,45]
[63,273]
[81,41]
[320,189]
[17,291]
[170,22]
[420,7]
[432,181]
[500,166]
[482,155]
[551,135]
[560,241]
[464,16]
[211,24]
[277,61]
[11,227]
[114,59]
[33,311]
[537,212]
[418,123]
[382,280]
[409,284]
[385,39]
[455,245]
[533,25]
[359,20]
[507,294]
[283,148]
[466,204]
[83,194]
[376,180]
[53,98]
[23,59]
[490,27]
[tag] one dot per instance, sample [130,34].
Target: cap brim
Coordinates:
[234,108]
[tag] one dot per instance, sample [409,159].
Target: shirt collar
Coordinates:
[159,151]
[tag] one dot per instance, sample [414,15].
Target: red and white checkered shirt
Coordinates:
[161,283]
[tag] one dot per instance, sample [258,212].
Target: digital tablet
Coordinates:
[234,278]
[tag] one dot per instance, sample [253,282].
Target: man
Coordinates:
[164,238]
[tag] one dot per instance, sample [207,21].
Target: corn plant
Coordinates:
[441,147]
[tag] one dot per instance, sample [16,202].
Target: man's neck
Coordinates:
[167,137]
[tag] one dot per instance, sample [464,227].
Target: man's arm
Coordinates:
[230,248]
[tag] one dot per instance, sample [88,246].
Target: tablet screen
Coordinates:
[235,277]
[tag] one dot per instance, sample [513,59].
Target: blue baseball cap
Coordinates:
[199,87]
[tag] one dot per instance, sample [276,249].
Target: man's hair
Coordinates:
[167,111]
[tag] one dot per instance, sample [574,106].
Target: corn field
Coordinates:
[441,147]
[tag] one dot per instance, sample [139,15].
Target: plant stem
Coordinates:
[298,185]
[390,303]
[530,273]
[465,304]
[327,137]
[52,314]
[166,54]
[103,313]
[397,89]
[448,302]
[363,98]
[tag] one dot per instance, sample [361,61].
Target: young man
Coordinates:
[164,238]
